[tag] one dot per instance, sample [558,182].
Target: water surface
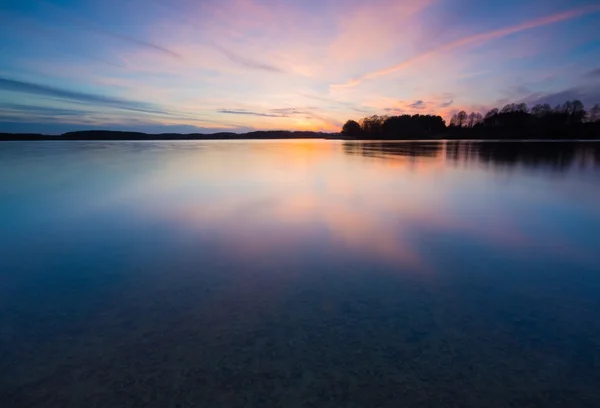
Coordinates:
[299,274]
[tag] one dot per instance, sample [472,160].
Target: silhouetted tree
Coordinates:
[594,114]
[560,115]
[459,119]
[540,111]
[510,117]
[491,118]
[352,129]
[474,119]
[395,127]
[372,125]
[507,108]
[491,113]
[462,118]
[521,107]
[574,110]
[568,113]
[454,121]
[471,120]
[514,107]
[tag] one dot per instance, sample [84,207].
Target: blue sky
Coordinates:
[236,65]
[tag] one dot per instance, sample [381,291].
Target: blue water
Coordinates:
[299,274]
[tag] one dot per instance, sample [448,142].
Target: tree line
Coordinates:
[514,120]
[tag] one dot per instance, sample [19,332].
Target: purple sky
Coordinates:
[213,65]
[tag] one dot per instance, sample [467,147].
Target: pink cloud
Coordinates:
[476,39]
[372,30]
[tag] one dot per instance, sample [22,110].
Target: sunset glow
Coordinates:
[237,65]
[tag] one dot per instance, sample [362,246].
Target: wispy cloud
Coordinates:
[474,39]
[31,88]
[417,105]
[40,110]
[53,127]
[446,104]
[137,41]
[594,73]
[589,95]
[87,22]
[296,115]
[248,62]
[274,113]
[249,113]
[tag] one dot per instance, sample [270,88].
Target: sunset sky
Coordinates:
[238,65]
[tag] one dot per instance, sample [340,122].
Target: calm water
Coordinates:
[299,274]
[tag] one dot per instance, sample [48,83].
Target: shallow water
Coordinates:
[299,273]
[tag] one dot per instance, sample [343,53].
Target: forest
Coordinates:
[513,121]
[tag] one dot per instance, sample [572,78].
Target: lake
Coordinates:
[299,273]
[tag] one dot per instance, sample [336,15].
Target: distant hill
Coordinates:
[115,135]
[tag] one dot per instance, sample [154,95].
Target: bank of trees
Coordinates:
[519,115]
[390,127]
[515,120]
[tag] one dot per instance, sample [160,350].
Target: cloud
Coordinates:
[250,113]
[417,105]
[142,43]
[54,128]
[595,73]
[31,88]
[588,95]
[84,22]
[287,111]
[474,39]
[248,62]
[446,104]
[274,113]
[292,114]
[39,110]
[372,28]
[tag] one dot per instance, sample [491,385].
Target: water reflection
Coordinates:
[271,273]
[557,156]
[382,149]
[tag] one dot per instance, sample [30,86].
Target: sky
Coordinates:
[238,65]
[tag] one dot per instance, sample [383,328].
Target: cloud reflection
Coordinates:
[262,199]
